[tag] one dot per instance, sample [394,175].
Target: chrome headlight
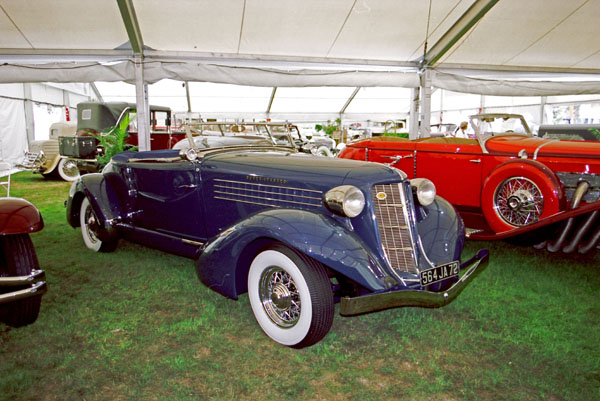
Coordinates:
[345,200]
[425,190]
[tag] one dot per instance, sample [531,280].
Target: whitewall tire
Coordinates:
[290,295]
[67,169]
[88,223]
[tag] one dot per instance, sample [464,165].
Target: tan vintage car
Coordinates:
[43,156]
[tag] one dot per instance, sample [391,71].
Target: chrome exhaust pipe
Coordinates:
[579,193]
[585,227]
[591,243]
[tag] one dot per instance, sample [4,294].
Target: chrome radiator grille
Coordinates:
[392,221]
[266,195]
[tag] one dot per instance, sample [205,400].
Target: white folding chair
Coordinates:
[5,176]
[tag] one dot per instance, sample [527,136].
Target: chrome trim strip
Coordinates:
[243,201]
[260,197]
[541,146]
[154,160]
[267,185]
[268,192]
[190,242]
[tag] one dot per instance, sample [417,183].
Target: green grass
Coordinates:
[137,324]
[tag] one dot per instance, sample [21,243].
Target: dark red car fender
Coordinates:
[544,178]
[18,216]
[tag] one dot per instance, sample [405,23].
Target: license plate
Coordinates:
[439,273]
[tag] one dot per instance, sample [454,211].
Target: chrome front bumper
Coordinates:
[416,298]
[36,286]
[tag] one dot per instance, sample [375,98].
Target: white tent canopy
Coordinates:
[291,43]
[488,47]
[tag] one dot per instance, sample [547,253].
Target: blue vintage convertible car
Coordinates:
[297,232]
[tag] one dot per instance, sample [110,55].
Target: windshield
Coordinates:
[499,124]
[212,135]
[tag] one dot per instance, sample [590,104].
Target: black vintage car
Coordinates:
[297,232]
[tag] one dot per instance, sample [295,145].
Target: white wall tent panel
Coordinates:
[13,137]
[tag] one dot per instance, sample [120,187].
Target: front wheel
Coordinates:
[18,258]
[89,230]
[291,297]
[67,169]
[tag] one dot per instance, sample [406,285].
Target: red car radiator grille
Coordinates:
[394,234]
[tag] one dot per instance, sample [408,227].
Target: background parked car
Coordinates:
[223,134]
[22,283]
[93,118]
[505,181]
[44,158]
[296,231]
[573,132]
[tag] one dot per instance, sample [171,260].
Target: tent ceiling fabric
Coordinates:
[292,43]
[534,33]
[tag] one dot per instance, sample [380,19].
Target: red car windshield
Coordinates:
[491,124]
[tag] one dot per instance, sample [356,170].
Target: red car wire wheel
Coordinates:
[518,201]
[518,193]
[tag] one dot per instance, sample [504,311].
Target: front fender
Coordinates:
[18,216]
[441,230]
[52,163]
[107,194]
[224,262]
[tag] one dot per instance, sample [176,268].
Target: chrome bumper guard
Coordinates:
[35,281]
[416,298]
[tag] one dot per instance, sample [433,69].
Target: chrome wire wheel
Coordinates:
[279,297]
[518,201]
[290,295]
[67,170]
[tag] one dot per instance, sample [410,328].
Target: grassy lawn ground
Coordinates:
[137,324]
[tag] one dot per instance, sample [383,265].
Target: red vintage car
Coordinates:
[505,182]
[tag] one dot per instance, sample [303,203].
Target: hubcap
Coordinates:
[90,224]
[279,297]
[518,201]
[70,168]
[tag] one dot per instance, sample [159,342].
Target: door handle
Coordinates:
[475,161]
[397,158]
[188,186]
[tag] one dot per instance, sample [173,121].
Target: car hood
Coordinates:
[305,170]
[512,144]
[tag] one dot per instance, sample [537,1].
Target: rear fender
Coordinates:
[18,216]
[224,263]
[107,194]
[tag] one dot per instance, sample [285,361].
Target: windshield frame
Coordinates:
[477,120]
